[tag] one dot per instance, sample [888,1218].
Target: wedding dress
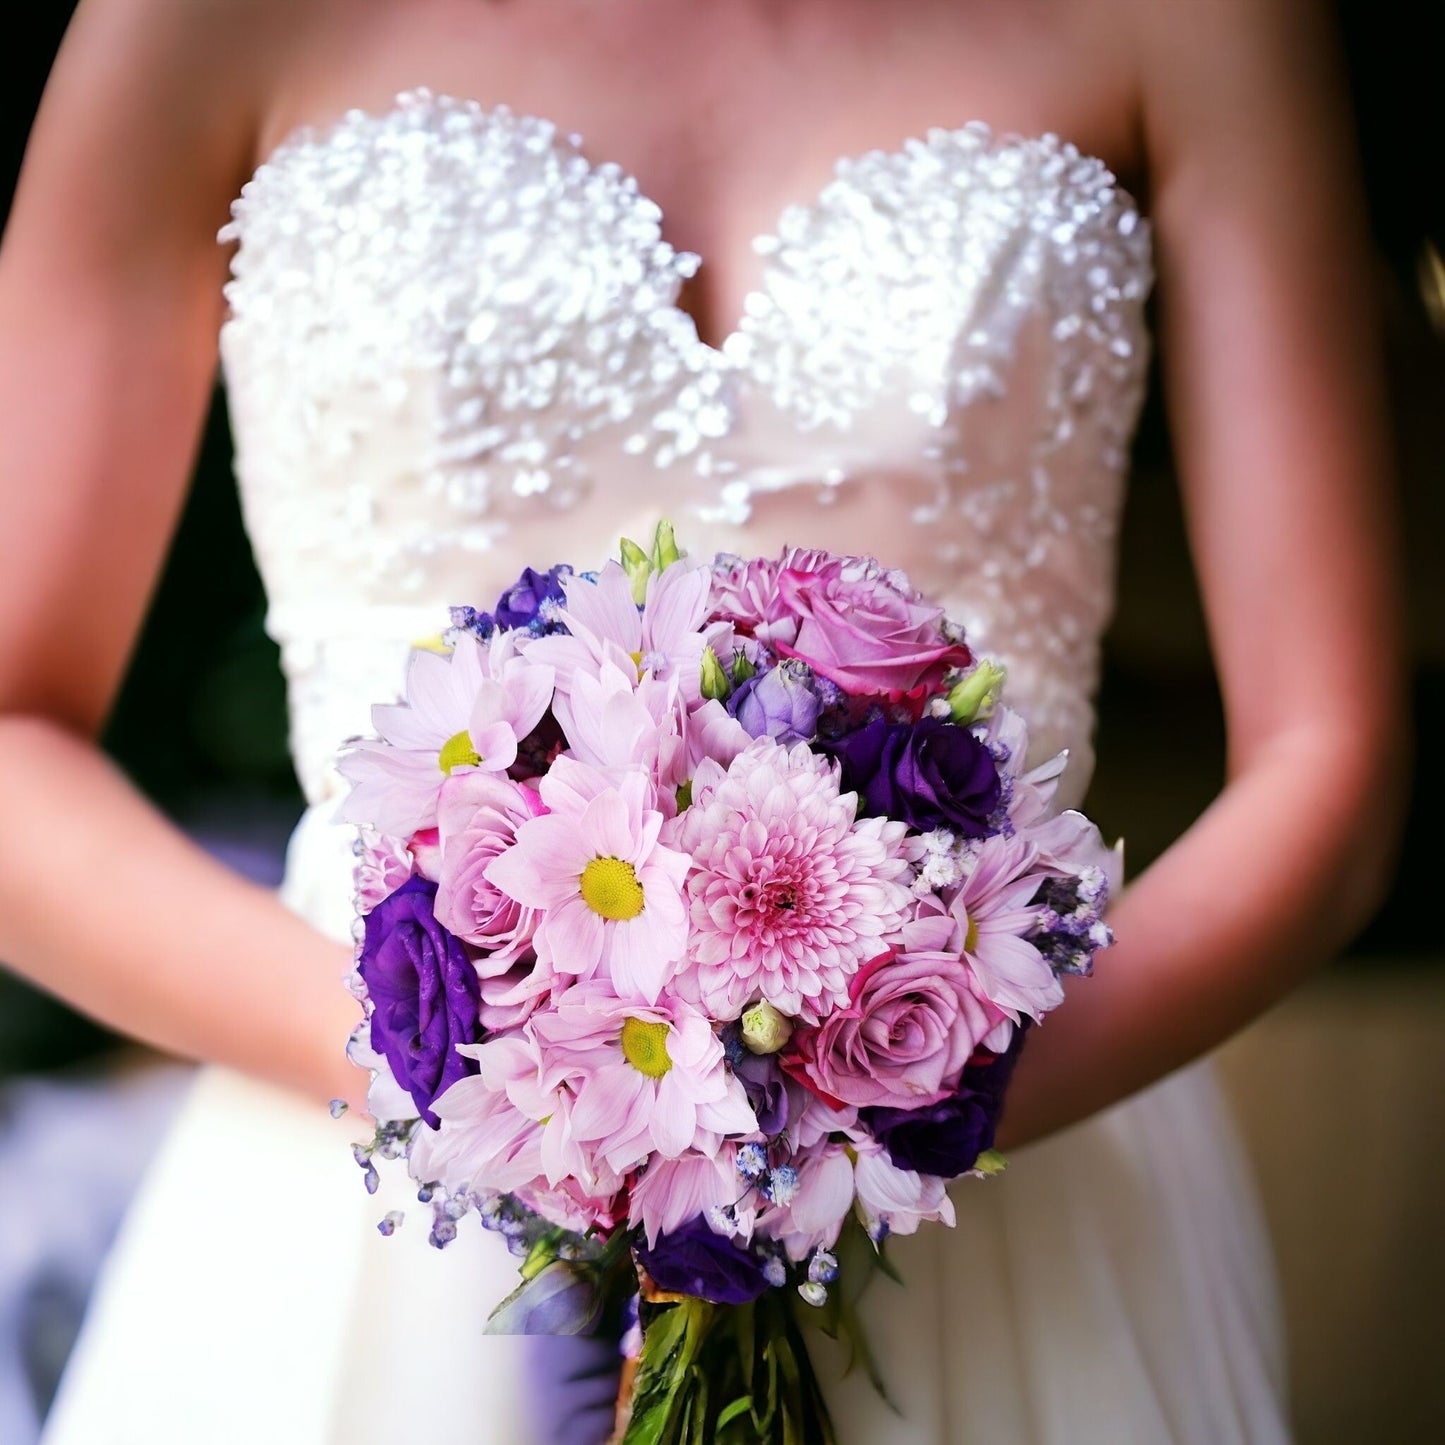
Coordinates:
[454,348]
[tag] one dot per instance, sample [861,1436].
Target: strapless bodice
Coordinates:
[454,347]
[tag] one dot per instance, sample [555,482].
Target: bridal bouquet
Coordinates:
[704,908]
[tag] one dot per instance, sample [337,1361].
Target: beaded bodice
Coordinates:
[454,348]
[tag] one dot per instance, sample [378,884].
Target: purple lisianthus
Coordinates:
[695,1260]
[766,1088]
[930,774]
[946,1138]
[781,704]
[424,994]
[521,603]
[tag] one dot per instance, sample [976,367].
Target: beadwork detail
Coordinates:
[454,346]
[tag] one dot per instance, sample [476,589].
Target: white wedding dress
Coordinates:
[454,348]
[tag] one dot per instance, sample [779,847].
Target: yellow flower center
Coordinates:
[458,752]
[610,887]
[970,939]
[644,1046]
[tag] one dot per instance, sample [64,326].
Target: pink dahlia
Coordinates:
[609,893]
[789,891]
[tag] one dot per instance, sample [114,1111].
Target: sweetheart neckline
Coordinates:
[311,135]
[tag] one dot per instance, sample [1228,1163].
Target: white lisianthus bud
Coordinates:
[976,695]
[765,1030]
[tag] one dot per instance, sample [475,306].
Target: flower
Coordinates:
[765,1030]
[893,1200]
[913,1021]
[383,864]
[814,1216]
[521,604]
[861,626]
[645,1080]
[946,1138]
[611,894]
[994,910]
[468,709]
[789,893]
[930,773]
[742,590]
[423,992]
[478,816]
[694,1260]
[778,704]
[665,637]
[670,1192]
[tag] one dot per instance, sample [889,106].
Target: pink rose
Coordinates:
[912,1022]
[860,626]
[478,815]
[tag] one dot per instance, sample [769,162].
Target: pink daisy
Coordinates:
[646,1081]
[466,709]
[609,893]
[992,911]
[665,637]
[789,891]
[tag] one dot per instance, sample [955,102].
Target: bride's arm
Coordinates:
[110,298]
[1273,378]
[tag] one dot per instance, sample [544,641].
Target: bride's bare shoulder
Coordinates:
[174,95]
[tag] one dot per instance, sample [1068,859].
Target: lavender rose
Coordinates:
[478,815]
[930,774]
[697,1261]
[912,1023]
[946,1138]
[424,994]
[859,625]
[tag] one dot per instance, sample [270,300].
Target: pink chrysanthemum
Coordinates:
[789,891]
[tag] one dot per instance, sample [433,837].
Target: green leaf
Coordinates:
[990,1162]
[739,1407]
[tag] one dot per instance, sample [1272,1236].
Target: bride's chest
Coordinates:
[449,322]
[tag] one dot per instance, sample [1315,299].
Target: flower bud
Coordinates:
[765,1030]
[715,683]
[638,566]
[665,550]
[976,695]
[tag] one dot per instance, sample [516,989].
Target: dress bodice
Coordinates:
[454,348]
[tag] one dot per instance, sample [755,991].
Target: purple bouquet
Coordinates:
[704,908]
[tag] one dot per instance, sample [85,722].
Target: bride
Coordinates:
[464,328]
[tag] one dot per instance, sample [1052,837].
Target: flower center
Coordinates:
[610,887]
[970,938]
[644,1046]
[458,752]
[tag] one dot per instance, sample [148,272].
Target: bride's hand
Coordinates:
[1273,374]
[110,300]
